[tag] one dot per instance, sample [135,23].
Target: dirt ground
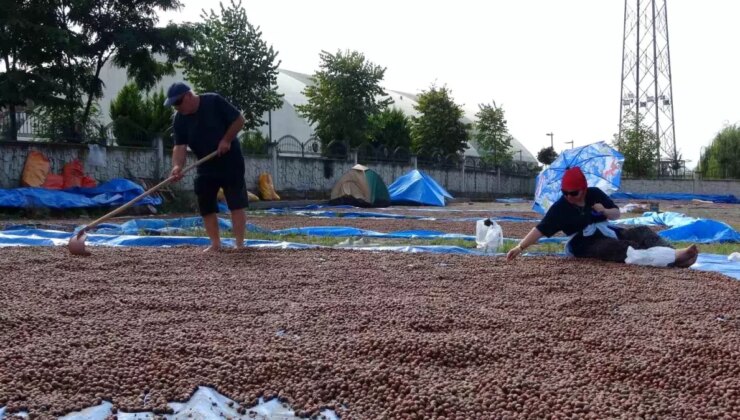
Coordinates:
[372,335]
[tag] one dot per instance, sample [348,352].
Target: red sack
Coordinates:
[73,174]
[89,182]
[53,182]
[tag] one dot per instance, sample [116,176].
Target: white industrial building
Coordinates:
[285,121]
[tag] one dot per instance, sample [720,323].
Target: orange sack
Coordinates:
[73,174]
[267,190]
[35,170]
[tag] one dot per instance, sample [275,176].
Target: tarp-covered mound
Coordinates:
[361,187]
[416,187]
[684,228]
[115,192]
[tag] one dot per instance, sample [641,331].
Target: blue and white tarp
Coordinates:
[115,192]
[730,199]
[416,187]
[686,229]
[39,237]
[374,215]
[601,164]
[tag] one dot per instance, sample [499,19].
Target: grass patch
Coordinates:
[722,249]
[330,241]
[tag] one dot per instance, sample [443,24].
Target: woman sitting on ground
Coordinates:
[582,213]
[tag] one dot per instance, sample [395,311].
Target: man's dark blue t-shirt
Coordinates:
[573,219]
[202,131]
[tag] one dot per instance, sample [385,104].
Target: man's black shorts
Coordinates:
[207,186]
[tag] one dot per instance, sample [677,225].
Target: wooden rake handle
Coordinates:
[144,194]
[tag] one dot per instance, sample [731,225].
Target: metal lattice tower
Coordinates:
[647,90]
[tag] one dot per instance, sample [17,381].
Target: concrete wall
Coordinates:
[290,174]
[685,186]
[303,177]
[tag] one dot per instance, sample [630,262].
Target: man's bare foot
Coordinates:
[239,246]
[212,248]
[686,257]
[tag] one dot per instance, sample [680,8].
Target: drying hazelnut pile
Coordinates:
[371,335]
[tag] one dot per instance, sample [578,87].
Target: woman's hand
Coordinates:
[513,253]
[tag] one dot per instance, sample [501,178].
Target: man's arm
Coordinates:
[532,237]
[179,152]
[225,144]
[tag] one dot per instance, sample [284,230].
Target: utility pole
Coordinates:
[570,142]
[647,88]
[552,144]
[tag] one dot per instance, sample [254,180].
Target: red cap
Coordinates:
[573,180]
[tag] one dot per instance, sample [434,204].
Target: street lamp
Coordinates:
[520,154]
[552,145]
[569,142]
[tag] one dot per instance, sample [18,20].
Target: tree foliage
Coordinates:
[639,146]
[60,49]
[26,46]
[390,128]
[254,143]
[230,57]
[492,135]
[547,155]
[722,158]
[439,131]
[343,98]
[139,119]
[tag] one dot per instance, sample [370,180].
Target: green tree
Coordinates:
[254,143]
[230,57]
[639,146]
[390,128]
[343,97]
[27,29]
[722,158]
[78,39]
[138,120]
[547,155]
[438,131]
[492,135]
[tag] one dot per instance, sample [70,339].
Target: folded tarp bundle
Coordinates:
[115,192]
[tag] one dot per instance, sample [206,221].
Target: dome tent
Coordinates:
[361,187]
[416,187]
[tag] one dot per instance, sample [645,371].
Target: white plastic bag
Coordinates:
[488,235]
[657,256]
[96,156]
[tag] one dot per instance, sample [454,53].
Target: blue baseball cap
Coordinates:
[175,91]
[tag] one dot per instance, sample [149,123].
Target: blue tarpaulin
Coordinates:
[683,228]
[731,199]
[686,229]
[416,187]
[115,192]
[39,237]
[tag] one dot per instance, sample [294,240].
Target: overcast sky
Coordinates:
[555,66]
